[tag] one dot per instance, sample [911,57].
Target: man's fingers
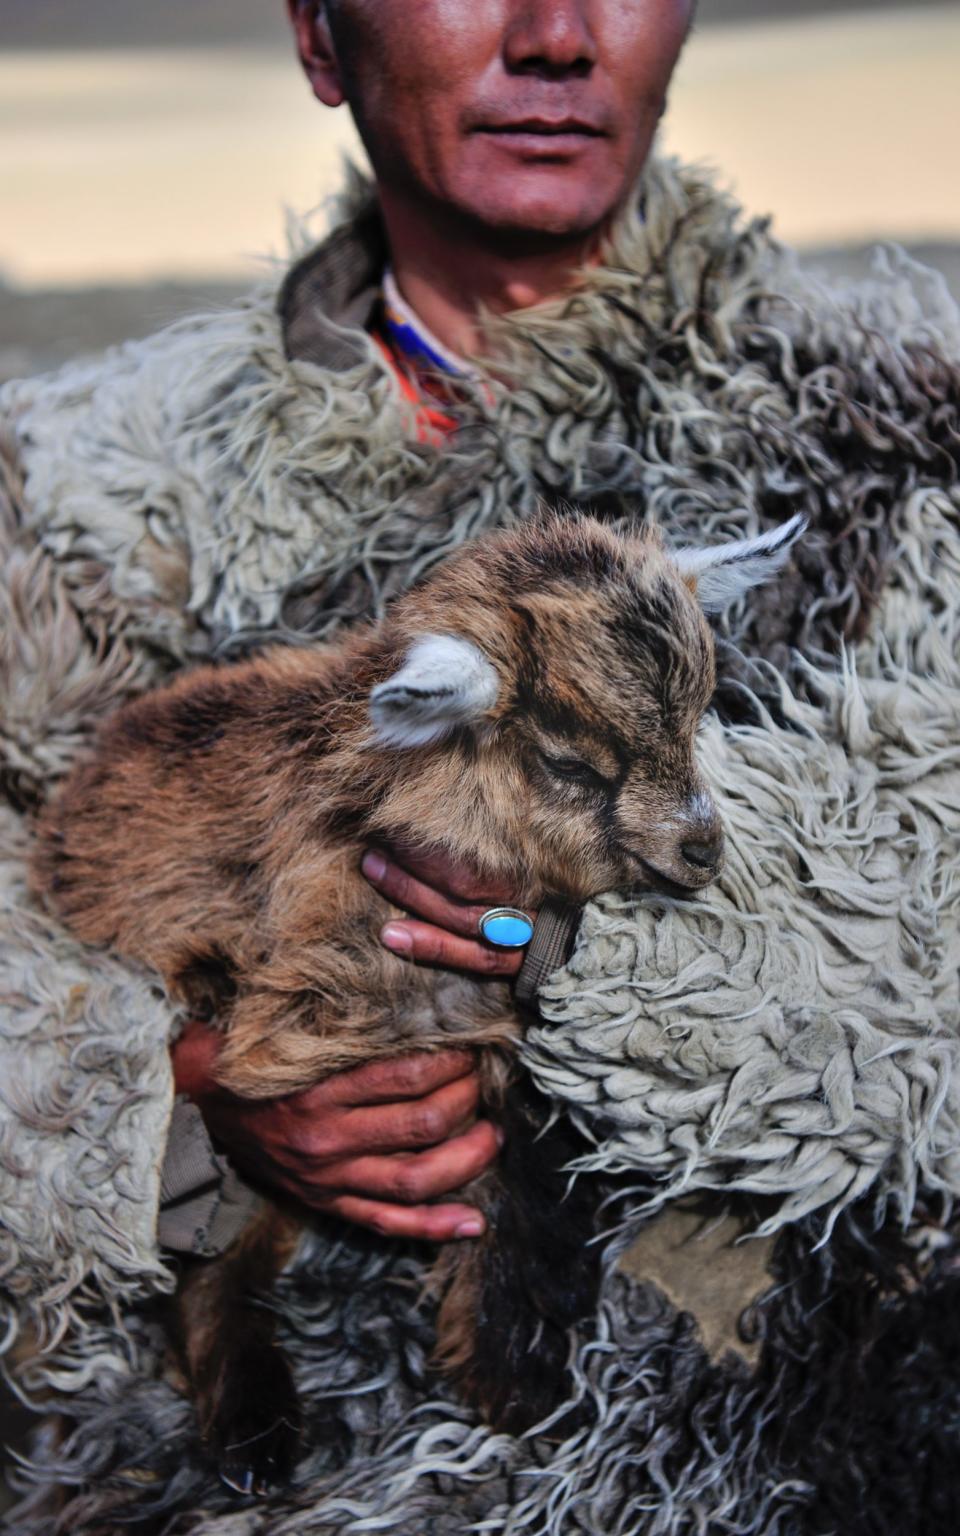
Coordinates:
[427,1223]
[412,1177]
[448,933]
[406,1125]
[387,1082]
[436,872]
[404,890]
[435,946]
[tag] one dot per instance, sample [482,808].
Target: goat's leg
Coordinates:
[292,1026]
[246,1400]
[281,1041]
[514,1295]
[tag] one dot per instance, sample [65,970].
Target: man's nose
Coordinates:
[550,38]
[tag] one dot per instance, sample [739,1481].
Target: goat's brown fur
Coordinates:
[214,833]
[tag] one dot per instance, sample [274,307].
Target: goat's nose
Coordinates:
[703,853]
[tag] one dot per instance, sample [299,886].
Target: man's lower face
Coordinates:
[553,184]
[521,114]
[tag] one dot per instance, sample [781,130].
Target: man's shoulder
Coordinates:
[172,362]
[302,311]
[117,456]
[174,461]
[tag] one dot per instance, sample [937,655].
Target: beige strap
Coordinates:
[204,1205]
[553,934]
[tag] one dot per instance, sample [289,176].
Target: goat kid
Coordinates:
[531,709]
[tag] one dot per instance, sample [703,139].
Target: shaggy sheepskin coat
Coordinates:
[793,1035]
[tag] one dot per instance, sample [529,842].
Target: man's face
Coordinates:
[528,117]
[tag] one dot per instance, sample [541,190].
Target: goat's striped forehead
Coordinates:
[572,552]
[591,633]
[625,656]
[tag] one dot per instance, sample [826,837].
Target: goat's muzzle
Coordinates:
[655,879]
[692,863]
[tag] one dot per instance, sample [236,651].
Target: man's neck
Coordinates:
[449,276]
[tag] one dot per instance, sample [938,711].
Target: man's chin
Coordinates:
[543,220]
[538,200]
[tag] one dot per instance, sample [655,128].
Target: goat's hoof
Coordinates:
[259,1465]
[255,1434]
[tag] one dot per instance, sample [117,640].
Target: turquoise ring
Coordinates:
[507,927]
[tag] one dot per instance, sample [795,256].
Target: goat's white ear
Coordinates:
[444,682]
[722,573]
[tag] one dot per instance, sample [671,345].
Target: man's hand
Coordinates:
[374,1144]
[451,900]
[370,1145]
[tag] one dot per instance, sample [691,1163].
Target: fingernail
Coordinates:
[500,1134]
[396,938]
[471,1228]
[373,865]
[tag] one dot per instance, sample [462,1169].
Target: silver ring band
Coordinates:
[506,927]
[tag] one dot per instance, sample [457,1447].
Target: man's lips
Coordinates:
[545,128]
[543,139]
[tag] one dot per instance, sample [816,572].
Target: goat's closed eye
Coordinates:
[573,770]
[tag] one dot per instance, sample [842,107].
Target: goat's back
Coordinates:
[189,795]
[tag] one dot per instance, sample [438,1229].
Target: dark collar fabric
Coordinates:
[329,295]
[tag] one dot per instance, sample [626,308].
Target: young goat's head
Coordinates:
[541,722]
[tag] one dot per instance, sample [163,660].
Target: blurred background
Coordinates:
[148,152]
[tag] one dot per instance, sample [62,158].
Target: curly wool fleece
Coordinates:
[795,1032]
[848,1426]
